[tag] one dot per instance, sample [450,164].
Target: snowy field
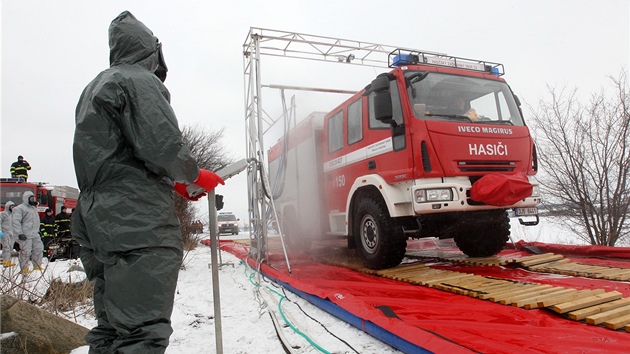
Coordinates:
[547,231]
[249,302]
[246,305]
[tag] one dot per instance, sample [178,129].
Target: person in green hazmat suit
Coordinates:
[128,158]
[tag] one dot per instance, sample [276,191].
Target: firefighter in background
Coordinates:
[6,217]
[47,229]
[129,156]
[62,223]
[20,168]
[26,227]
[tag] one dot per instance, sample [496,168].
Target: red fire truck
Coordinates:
[399,159]
[53,197]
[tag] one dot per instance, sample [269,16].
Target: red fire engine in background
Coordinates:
[48,196]
[53,197]
[399,159]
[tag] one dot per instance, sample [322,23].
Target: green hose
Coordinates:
[282,297]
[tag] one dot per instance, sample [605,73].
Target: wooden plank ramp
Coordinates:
[591,306]
[543,263]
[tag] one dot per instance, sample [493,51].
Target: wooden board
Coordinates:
[587,302]
[593,310]
[571,297]
[618,322]
[608,315]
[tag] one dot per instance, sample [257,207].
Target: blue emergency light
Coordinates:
[405,59]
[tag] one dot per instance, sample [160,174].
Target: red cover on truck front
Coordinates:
[500,189]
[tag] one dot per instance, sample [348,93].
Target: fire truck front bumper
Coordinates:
[453,195]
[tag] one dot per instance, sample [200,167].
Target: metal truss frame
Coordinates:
[261,42]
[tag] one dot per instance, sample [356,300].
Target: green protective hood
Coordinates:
[130,41]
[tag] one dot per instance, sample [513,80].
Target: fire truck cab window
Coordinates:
[446,97]
[13,193]
[355,121]
[335,132]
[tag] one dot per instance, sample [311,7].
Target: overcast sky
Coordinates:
[52,49]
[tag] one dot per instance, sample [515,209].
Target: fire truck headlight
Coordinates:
[433,195]
[421,196]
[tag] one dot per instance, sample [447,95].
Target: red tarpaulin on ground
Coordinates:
[444,322]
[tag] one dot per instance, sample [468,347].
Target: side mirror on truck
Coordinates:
[380,84]
[383,110]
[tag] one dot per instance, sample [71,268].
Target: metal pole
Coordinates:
[216,296]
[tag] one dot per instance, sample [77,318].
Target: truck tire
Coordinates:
[485,240]
[380,242]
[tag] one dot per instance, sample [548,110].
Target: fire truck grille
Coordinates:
[486,166]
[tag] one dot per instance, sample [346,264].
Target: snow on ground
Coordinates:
[246,304]
[547,231]
[248,300]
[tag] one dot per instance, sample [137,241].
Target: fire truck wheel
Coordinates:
[381,243]
[485,240]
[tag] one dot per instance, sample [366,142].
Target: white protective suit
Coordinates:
[8,240]
[26,222]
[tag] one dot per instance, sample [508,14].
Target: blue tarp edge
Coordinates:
[366,326]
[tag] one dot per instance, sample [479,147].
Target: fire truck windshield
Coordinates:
[438,96]
[13,192]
